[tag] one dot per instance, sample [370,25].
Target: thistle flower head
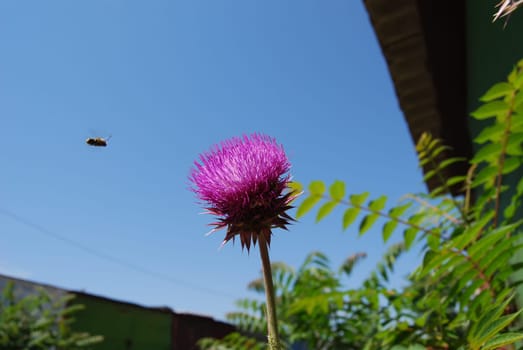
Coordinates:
[243,182]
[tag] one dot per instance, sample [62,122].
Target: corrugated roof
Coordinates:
[424,46]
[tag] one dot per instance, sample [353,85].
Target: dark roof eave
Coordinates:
[424,46]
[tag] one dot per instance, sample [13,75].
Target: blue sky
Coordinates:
[168,79]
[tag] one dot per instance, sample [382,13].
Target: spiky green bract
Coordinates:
[243,181]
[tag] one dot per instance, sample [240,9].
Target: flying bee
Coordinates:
[97,141]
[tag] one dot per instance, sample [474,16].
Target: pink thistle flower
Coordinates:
[243,182]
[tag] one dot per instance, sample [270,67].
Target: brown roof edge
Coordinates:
[424,44]
[162,309]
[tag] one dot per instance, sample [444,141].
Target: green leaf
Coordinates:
[399,347]
[433,260]
[438,191]
[484,198]
[497,91]
[491,133]
[429,257]
[432,143]
[470,290]
[439,150]
[495,257]
[337,190]
[466,277]
[464,267]
[317,188]
[417,219]
[388,229]
[489,152]
[307,204]
[472,232]
[511,164]
[491,109]
[481,300]
[510,209]
[455,180]
[325,210]
[458,322]
[492,238]
[430,174]
[512,76]
[433,241]
[500,264]
[515,144]
[409,235]
[396,212]
[502,339]
[349,216]
[416,347]
[358,199]
[367,222]
[518,100]
[295,186]
[495,326]
[450,161]
[482,326]
[378,204]
[486,174]
[423,161]
[518,82]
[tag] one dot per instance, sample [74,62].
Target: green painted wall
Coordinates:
[492,52]
[124,327]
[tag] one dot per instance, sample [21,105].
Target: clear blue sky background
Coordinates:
[168,79]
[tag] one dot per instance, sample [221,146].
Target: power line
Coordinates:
[114,260]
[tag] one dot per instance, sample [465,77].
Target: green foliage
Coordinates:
[461,296]
[233,341]
[316,309]
[37,322]
[463,283]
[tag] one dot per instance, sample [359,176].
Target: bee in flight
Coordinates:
[97,141]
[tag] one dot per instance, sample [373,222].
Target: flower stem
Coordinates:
[272,322]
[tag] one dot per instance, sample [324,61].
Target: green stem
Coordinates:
[272,322]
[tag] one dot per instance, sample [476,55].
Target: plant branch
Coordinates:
[501,160]
[447,188]
[387,216]
[481,273]
[435,208]
[486,284]
[468,187]
[272,322]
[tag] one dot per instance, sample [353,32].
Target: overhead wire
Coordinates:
[112,259]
